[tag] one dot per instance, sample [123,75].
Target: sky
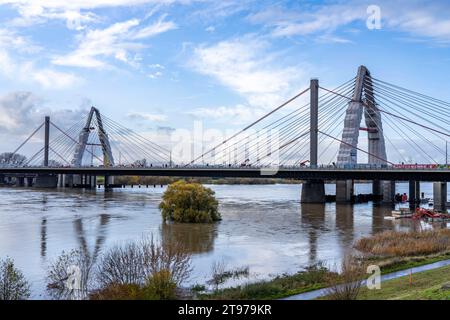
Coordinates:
[164,64]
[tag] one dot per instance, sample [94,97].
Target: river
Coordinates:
[264,227]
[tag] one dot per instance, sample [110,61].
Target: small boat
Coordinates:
[402,213]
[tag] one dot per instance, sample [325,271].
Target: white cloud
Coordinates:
[112,42]
[416,17]
[147,116]
[10,40]
[247,66]
[429,22]
[238,114]
[28,72]
[325,19]
[21,112]
[75,12]
[154,29]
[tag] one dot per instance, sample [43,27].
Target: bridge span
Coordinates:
[305,174]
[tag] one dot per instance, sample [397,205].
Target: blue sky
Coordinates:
[165,63]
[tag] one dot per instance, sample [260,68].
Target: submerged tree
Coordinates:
[13,285]
[189,202]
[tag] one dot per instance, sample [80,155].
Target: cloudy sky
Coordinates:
[165,63]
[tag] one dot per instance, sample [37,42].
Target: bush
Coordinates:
[393,243]
[160,286]
[13,285]
[347,284]
[189,202]
[118,291]
[135,263]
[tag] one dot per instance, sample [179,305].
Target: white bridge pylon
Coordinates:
[108,159]
[363,100]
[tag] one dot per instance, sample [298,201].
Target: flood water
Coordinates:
[264,227]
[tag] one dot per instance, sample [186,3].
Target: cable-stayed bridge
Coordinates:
[364,129]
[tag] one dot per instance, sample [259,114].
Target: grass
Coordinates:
[392,251]
[425,285]
[402,263]
[403,244]
[282,286]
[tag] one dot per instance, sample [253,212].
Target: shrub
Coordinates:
[13,285]
[160,286]
[347,284]
[220,274]
[156,268]
[392,243]
[118,291]
[189,202]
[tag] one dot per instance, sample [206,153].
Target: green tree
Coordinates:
[189,202]
[13,285]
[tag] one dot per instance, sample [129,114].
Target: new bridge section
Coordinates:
[430,175]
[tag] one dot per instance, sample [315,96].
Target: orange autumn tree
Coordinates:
[189,202]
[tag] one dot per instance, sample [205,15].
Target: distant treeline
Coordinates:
[138,180]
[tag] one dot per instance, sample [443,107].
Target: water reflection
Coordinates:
[43,237]
[197,238]
[99,239]
[345,224]
[313,219]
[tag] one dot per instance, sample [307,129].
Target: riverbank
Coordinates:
[426,285]
[309,280]
[391,251]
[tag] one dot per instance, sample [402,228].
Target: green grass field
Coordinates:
[425,285]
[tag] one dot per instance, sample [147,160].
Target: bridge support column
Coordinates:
[388,191]
[313,191]
[28,182]
[344,191]
[93,182]
[108,180]
[417,193]
[76,179]
[20,181]
[46,181]
[440,195]
[414,193]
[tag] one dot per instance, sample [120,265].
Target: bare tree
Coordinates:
[69,276]
[135,263]
[12,158]
[347,284]
[13,285]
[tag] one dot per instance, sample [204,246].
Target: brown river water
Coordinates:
[264,227]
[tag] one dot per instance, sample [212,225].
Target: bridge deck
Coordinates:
[283,173]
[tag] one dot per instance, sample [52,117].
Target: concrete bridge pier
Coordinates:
[108,180]
[20,181]
[46,181]
[93,182]
[61,180]
[29,181]
[388,192]
[344,191]
[313,191]
[414,193]
[377,188]
[440,195]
